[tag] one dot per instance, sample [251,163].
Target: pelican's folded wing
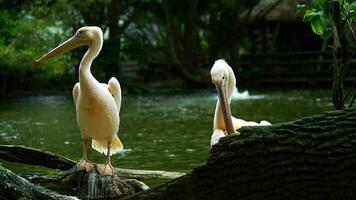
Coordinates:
[115,90]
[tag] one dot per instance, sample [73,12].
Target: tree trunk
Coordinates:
[239,28]
[3,88]
[113,45]
[183,45]
[341,57]
[311,158]
[235,39]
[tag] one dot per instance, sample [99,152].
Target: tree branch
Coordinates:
[32,156]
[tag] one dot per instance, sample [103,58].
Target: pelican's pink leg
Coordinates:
[107,168]
[85,164]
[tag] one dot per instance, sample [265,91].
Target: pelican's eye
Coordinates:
[223,77]
[80,33]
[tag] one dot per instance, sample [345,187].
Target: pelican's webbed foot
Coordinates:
[105,169]
[85,165]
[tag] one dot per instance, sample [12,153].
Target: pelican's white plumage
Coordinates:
[224,79]
[97,104]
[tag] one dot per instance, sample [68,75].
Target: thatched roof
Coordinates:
[277,10]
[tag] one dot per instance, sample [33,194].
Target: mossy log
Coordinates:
[15,187]
[311,158]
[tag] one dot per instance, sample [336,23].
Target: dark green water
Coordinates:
[161,132]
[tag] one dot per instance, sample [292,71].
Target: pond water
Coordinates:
[160,132]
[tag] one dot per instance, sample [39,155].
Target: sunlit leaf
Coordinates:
[317,25]
[301,6]
[351,16]
[352,12]
[316,20]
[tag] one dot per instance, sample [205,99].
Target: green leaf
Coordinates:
[317,25]
[301,6]
[352,11]
[351,16]
[316,20]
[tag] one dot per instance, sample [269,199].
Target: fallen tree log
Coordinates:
[15,187]
[311,158]
[82,184]
[32,156]
[88,185]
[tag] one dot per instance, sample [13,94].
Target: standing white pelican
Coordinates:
[224,79]
[97,104]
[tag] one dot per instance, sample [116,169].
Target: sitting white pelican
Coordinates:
[224,124]
[97,104]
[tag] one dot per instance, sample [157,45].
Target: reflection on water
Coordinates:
[245,95]
[162,132]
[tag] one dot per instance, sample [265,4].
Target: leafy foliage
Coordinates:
[133,30]
[331,18]
[24,38]
[319,15]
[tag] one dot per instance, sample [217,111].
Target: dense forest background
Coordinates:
[157,43]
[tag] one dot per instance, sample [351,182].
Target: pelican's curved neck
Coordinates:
[90,55]
[219,122]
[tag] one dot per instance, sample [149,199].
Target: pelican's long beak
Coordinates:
[225,106]
[71,43]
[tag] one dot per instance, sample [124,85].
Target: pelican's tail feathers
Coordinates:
[116,145]
[101,146]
